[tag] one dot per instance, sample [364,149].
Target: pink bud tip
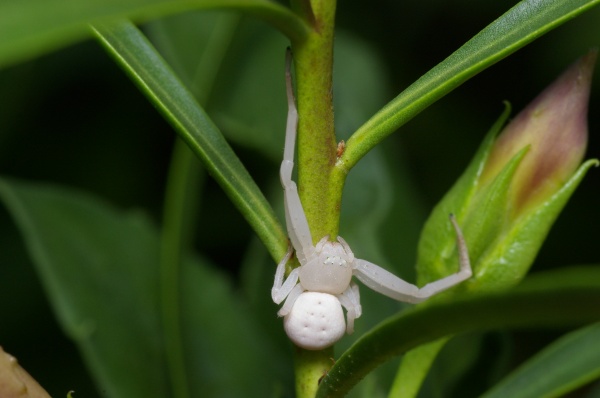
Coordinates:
[554,126]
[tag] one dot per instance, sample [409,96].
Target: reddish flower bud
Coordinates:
[554,126]
[515,187]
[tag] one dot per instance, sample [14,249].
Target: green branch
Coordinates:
[558,298]
[313,60]
[519,26]
[153,76]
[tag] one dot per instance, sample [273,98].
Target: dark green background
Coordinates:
[73,118]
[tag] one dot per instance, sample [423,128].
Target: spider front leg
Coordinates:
[390,285]
[297,226]
[296,222]
[280,288]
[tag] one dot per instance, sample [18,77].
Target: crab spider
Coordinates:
[317,290]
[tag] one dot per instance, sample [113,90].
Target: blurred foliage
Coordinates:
[73,118]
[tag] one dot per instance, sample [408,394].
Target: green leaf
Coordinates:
[156,80]
[523,23]
[100,269]
[501,249]
[226,353]
[482,220]
[566,297]
[436,251]
[508,259]
[29,28]
[563,366]
[414,368]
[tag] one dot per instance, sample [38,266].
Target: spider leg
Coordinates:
[390,285]
[321,243]
[291,299]
[346,248]
[280,288]
[296,222]
[350,299]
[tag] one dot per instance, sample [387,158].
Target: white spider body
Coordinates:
[316,321]
[330,271]
[315,292]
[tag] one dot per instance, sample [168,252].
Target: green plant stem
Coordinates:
[313,61]
[414,368]
[523,23]
[179,217]
[310,367]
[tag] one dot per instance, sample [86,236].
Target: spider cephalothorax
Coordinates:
[330,270]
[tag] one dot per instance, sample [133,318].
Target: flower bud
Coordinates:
[554,127]
[515,187]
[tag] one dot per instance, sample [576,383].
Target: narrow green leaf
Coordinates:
[508,259]
[523,23]
[32,27]
[568,297]
[153,76]
[179,221]
[563,366]
[414,368]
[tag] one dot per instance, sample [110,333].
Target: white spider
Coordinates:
[317,290]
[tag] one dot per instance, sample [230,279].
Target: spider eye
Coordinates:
[336,260]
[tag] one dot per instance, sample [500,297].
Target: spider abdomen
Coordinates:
[316,321]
